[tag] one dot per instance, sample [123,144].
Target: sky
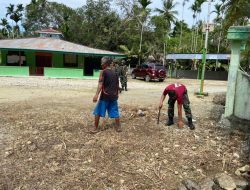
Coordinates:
[155,4]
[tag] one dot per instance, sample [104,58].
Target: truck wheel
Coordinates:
[133,76]
[161,80]
[147,79]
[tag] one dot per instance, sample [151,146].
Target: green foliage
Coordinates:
[168,12]
[16,16]
[42,14]
[6,28]
[245,61]
[237,12]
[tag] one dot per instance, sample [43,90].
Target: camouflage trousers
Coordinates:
[186,106]
[123,81]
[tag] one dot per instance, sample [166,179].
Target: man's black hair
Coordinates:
[106,60]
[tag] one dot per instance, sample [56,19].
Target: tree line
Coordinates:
[129,26]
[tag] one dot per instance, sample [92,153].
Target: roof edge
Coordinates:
[79,53]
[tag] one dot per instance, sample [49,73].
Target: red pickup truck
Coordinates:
[150,71]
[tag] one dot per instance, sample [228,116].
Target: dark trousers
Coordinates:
[123,80]
[186,106]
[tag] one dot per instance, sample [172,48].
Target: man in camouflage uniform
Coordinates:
[123,75]
[117,69]
[177,92]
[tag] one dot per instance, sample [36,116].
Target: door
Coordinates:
[144,70]
[43,59]
[137,71]
[91,64]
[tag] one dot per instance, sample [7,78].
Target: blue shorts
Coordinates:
[110,106]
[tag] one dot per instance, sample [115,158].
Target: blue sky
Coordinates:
[155,4]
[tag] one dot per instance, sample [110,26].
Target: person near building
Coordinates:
[124,75]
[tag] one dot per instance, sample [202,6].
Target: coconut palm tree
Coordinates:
[168,12]
[183,5]
[6,28]
[217,11]
[219,19]
[194,9]
[196,36]
[144,13]
[197,8]
[236,12]
[16,16]
[169,15]
[10,11]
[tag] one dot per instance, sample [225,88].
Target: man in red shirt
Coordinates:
[177,92]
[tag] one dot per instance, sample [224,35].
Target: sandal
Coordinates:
[118,129]
[93,131]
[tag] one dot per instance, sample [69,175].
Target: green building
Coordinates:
[50,56]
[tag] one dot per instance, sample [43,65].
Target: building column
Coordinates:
[238,35]
[232,78]
[3,57]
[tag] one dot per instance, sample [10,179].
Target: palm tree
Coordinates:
[219,19]
[169,15]
[129,52]
[10,11]
[168,12]
[217,11]
[236,12]
[16,16]
[183,5]
[144,13]
[6,28]
[197,8]
[194,8]
[197,29]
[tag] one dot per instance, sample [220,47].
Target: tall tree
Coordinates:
[36,16]
[10,12]
[15,15]
[218,19]
[194,10]
[182,17]
[236,12]
[143,18]
[100,29]
[6,28]
[168,12]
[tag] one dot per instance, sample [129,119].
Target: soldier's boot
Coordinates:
[190,124]
[122,88]
[126,87]
[170,121]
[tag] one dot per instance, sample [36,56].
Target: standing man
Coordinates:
[124,75]
[116,66]
[117,69]
[108,90]
[177,92]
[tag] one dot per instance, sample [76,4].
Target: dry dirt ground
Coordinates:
[45,144]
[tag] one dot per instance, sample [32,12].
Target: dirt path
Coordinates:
[45,144]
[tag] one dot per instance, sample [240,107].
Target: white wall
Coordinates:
[242,97]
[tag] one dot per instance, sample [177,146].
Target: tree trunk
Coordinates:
[140,44]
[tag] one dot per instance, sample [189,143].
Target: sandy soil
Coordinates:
[45,144]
